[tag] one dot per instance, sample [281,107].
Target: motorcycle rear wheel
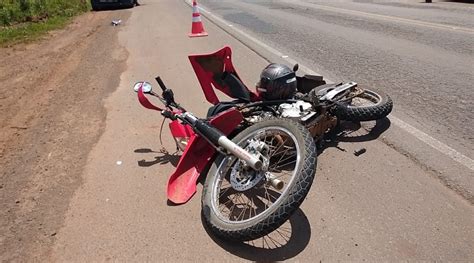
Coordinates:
[368,105]
[252,208]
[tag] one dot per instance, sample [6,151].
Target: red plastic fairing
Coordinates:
[209,69]
[144,100]
[182,183]
[180,130]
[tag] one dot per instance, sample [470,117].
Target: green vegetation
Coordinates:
[22,20]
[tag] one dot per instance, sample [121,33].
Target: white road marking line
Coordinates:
[383,17]
[434,143]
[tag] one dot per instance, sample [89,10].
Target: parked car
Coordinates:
[103,4]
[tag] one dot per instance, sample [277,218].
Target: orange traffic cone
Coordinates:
[197,29]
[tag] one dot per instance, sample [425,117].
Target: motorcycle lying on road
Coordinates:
[282,94]
[259,149]
[258,174]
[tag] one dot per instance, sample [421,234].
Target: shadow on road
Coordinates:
[163,158]
[361,132]
[354,132]
[284,243]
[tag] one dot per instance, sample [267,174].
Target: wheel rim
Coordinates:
[366,99]
[241,205]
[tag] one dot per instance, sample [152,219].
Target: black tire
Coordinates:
[282,207]
[130,5]
[380,106]
[95,6]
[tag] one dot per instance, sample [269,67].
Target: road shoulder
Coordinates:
[52,115]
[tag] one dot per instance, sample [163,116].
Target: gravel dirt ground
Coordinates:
[51,96]
[83,179]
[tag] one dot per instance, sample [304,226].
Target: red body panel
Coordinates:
[180,130]
[182,183]
[209,69]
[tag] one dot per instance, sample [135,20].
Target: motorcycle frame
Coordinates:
[199,153]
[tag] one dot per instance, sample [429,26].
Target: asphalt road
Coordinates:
[382,205]
[421,54]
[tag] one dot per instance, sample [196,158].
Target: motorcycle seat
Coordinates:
[220,107]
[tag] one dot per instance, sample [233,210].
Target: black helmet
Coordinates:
[277,82]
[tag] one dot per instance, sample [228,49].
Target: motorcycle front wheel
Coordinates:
[241,204]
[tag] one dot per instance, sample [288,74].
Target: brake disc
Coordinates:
[243,177]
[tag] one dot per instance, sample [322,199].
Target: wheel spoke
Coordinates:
[282,173]
[283,160]
[223,192]
[234,203]
[239,205]
[282,155]
[282,144]
[284,165]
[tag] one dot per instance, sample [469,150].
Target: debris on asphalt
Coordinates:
[19,127]
[360,151]
[116,22]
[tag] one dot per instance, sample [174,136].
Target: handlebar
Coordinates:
[210,133]
[160,82]
[168,95]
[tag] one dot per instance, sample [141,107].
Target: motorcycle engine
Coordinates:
[316,123]
[295,110]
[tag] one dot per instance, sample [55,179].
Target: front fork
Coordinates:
[217,138]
